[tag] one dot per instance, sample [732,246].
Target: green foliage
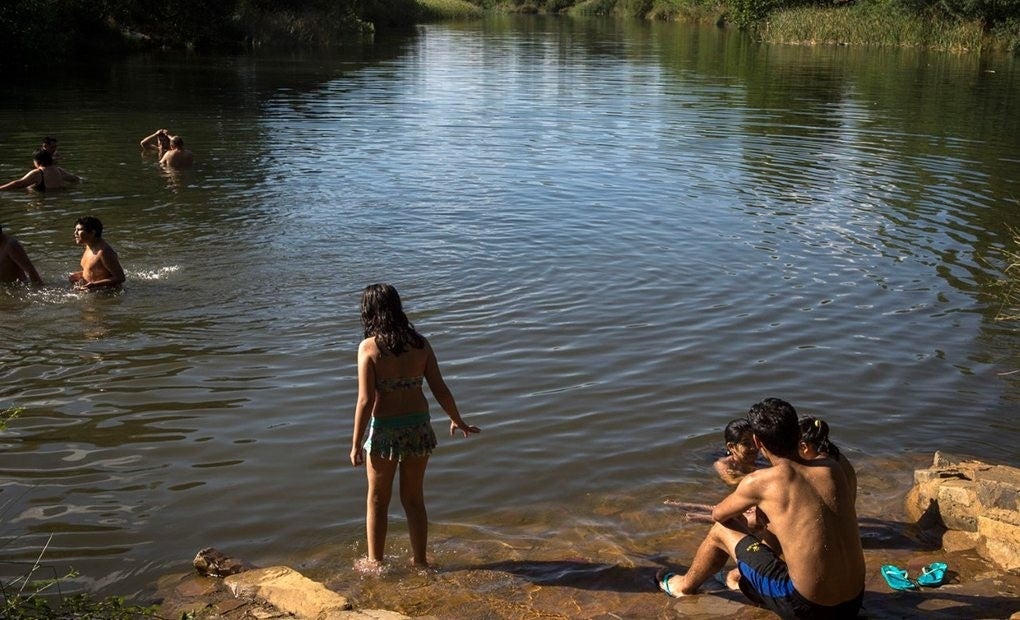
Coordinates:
[449,9]
[594,7]
[558,6]
[9,414]
[41,32]
[35,31]
[177,24]
[26,597]
[392,13]
[866,25]
[746,13]
[304,24]
[77,607]
[633,8]
[1007,34]
[988,12]
[1006,290]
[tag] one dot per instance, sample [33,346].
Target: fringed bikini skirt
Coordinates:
[401,437]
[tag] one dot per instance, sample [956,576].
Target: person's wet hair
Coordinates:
[49,141]
[91,223]
[177,142]
[43,157]
[815,433]
[774,422]
[382,316]
[736,430]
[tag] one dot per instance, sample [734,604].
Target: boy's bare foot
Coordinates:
[669,582]
[733,579]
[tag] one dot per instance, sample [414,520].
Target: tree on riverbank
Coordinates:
[40,32]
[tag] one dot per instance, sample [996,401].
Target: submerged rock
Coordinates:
[250,593]
[213,563]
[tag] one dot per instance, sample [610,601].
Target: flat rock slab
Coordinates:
[289,591]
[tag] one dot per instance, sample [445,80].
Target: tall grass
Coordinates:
[875,23]
[298,27]
[1007,289]
[705,11]
[593,7]
[449,9]
[863,25]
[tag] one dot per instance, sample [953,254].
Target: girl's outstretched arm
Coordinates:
[444,396]
[26,181]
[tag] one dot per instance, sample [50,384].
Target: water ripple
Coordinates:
[616,244]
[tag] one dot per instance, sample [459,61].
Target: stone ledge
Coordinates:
[276,592]
[291,592]
[966,495]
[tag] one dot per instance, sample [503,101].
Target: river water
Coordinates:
[617,235]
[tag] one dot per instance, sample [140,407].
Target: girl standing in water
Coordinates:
[393,361]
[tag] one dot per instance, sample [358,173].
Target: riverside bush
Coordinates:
[920,23]
[594,7]
[77,607]
[864,25]
[988,12]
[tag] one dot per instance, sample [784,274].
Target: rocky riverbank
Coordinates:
[981,582]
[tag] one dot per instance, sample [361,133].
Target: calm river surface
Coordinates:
[617,235]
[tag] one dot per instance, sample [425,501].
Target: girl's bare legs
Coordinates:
[412,496]
[380,488]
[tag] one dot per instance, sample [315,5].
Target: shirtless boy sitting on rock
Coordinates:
[100,266]
[809,564]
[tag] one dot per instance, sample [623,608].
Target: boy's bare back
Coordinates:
[811,512]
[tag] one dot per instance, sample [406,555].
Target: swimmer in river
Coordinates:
[49,144]
[815,444]
[740,459]
[44,176]
[15,266]
[172,153]
[100,266]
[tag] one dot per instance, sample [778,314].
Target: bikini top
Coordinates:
[398,383]
[41,185]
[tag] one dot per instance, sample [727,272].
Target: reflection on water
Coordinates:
[618,236]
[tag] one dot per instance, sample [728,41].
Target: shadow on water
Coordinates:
[888,534]
[884,605]
[578,574]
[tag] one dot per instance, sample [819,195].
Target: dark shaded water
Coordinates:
[617,235]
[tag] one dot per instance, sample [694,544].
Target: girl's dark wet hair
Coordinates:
[42,157]
[774,423]
[735,430]
[382,316]
[815,433]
